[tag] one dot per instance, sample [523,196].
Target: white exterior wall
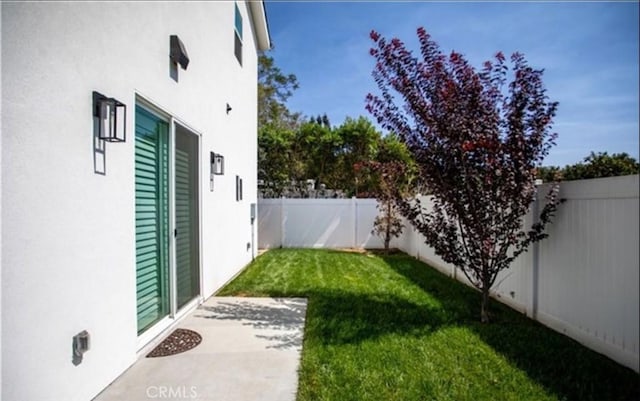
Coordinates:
[68,234]
[582,281]
[0,207]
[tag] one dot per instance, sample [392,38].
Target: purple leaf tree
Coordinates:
[477,138]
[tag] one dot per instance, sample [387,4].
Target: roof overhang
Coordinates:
[259,19]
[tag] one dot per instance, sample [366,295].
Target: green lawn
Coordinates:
[392,328]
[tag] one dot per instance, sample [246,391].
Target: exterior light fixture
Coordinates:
[217,164]
[80,346]
[177,52]
[228,108]
[112,118]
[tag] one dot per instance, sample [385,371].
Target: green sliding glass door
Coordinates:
[152,218]
[167,218]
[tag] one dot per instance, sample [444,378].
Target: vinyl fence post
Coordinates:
[282,217]
[354,211]
[535,260]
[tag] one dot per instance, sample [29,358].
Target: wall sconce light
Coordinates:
[177,52]
[228,108]
[112,118]
[217,164]
[80,346]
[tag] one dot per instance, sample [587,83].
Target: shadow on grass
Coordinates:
[558,363]
[336,318]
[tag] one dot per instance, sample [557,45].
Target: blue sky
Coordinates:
[589,51]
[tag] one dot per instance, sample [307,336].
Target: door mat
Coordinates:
[180,340]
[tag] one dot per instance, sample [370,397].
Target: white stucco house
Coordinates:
[128,176]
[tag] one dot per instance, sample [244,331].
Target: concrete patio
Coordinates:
[250,350]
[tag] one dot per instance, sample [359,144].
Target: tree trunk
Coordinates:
[387,237]
[484,309]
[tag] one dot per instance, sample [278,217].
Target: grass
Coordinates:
[392,328]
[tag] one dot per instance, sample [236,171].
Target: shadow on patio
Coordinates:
[276,322]
[250,350]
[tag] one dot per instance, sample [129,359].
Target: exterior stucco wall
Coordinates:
[68,234]
[0,207]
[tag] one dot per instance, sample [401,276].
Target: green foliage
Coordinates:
[319,146]
[274,88]
[315,150]
[601,164]
[360,141]
[276,158]
[549,173]
[277,127]
[392,149]
[322,120]
[596,165]
[392,328]
[292,149]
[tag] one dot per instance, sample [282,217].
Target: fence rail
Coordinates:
[581,281]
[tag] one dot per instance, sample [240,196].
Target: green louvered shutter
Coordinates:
[186,208]
[152,218]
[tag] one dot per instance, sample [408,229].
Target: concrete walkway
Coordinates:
[250,350]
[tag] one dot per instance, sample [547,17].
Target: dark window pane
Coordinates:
[238,48]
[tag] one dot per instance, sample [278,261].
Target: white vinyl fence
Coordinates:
[317,223]
[582,281]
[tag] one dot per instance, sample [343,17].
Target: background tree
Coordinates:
[274,88]
[322,120]
[549,173]
[391,178]
[293,149]
[601,164]
[359,139]
[328,154]
[476,144]
[389,148]
[318,150]
[278,159]
[596,165]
